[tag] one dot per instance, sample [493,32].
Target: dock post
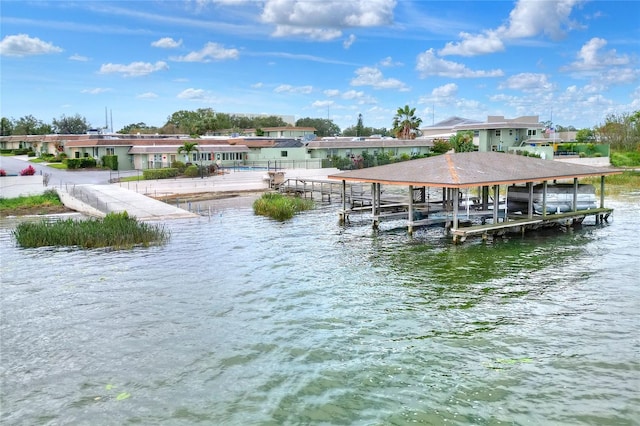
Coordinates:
[410,225]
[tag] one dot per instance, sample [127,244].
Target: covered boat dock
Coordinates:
[468,185]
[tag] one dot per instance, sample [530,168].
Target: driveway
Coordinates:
[13,166]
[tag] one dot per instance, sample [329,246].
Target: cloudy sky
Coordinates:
[571,61]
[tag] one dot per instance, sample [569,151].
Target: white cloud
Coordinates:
[389,62]
[472,45]
[349,41]
[287,88]
[147,95]
[447,91]
[210,51]
[529,18]
[134,69]
[167,43]
[591,57]
[322,104]
[528,82]
[370,76]
[78,58]
[332,93]
[325,20]
[194,95]
[533,17]
[428,64]
[22,45]
[96,91]
[259,85]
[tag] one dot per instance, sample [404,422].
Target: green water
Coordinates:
[240,320]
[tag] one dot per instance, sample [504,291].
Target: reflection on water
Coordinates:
[242,320]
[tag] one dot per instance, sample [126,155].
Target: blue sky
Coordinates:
[571,61]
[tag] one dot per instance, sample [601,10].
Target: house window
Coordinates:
[283,153]
[77,154]
[510,132]
[111,151]
[531,132]
[498,132]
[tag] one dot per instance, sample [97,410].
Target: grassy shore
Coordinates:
[47,203]
[616,184]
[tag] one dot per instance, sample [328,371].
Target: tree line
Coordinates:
[622,131]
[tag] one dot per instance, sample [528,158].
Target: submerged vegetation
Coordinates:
[116,230]
[280,207]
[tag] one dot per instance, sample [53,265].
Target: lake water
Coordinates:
[240,320]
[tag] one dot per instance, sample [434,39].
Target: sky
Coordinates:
[571,62]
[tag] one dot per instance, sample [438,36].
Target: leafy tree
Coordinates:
[269,121]
[141,127]
[29,125]
[192,123]
[406,124]
[621,131]
[462,142]
[74,125]
[585,135]
[6,127]
[324,127]
[359,126]
[441,146]
[188,148]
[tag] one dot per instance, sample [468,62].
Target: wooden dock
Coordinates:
[432,209]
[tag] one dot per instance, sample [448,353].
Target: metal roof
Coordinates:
[370,143]
[470,169]
[163,149]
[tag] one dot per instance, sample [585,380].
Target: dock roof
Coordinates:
[471,169]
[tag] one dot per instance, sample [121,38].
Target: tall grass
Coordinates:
[116,230]
[48,198]
[616,184]
[280,207]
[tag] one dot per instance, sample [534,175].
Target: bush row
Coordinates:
[166,173]
[80,163]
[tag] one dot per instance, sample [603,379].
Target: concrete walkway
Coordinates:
[98,200]
[85,192]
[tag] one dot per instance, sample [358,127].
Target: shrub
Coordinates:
[165,173]
[87,162]
[29,171]
[72,163]
[192,171]
[110,161]
[280,207]
[179,165]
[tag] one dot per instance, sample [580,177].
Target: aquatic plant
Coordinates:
[116,230]
[280,207]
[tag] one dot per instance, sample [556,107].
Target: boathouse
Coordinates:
[469,200]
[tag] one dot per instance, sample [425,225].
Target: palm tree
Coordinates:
[405,123]
[188,148]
